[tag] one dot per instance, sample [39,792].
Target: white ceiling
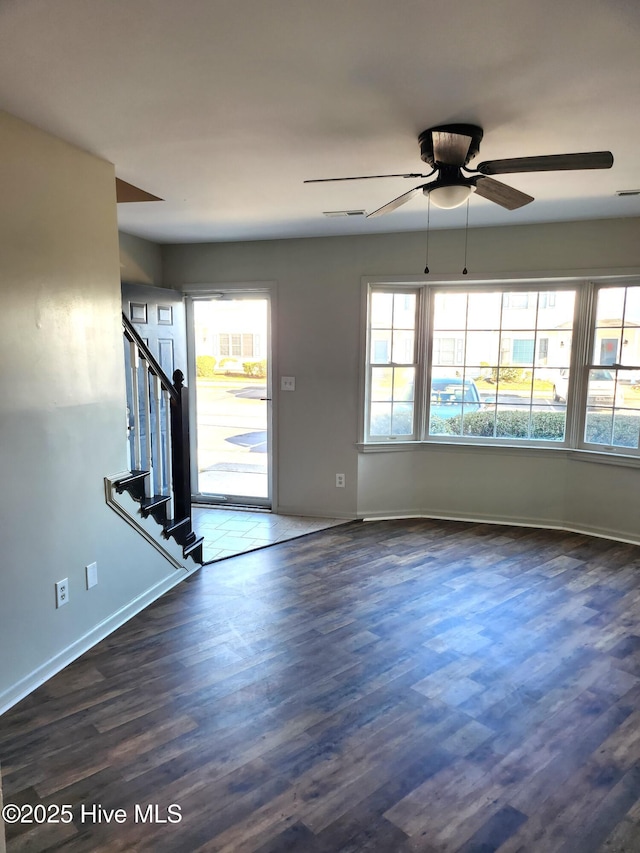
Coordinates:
[224,107]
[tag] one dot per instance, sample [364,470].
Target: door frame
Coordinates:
[260,289]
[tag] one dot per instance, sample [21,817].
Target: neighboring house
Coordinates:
[513,344]
[232,335]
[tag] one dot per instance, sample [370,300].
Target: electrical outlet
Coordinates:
[340,481]
[91,572]
[62,592]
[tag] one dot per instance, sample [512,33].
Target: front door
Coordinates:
[233,399]
[158,315]
[159,318]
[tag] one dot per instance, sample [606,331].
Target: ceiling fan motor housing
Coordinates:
[426,140]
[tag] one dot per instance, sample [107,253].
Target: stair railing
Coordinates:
[158,425]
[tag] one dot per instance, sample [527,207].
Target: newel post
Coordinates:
[180,447]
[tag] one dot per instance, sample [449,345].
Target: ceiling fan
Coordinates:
[449,147]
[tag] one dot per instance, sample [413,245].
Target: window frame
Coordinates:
[582,332]
[370,365]
[589,364]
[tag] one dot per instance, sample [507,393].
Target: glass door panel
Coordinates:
[231,338]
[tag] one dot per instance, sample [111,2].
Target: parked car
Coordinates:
[450,395]
[602,389]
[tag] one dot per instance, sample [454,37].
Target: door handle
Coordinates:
[265,398]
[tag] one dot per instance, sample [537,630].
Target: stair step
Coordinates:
[173,525]
[148,504]
[194,549]
[133,483]
[156,505]
[180,529]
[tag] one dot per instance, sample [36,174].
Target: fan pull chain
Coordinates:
[465,271]
[426,267]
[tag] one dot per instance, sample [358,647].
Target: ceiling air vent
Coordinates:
[343,213]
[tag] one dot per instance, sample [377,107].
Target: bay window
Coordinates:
[497,364]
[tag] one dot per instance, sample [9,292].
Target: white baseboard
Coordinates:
[43,673]
[313,512]
[541,523]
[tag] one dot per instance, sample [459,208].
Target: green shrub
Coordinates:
[625,429]
[256,369]
[546,426]
[205,365]
[510,374]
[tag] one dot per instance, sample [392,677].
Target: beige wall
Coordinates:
[319,306]
[62,411]
[140,260]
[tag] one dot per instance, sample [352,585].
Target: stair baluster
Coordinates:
[160,479]
[148,454]
[134,407]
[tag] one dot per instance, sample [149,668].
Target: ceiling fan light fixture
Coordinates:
[448,196]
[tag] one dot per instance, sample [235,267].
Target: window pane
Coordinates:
[380,347]
[598,427]
[403,383]
[558,380]
[403,347]
[380,419]
[630,350]
[607,346]
[480,423]
[483,348]
[626,428]
[610,306]
[448,349]
[484,311]
[601,388]
[381,383]
[404,310]
[548,424]
[553,348]
[402,419]
[381,310]
[519,310]
[450,311]
[515,383]
[632,307]
[513,422]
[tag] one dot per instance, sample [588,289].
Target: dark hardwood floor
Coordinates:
[391,686]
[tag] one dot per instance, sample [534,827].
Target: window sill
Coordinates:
[573,454]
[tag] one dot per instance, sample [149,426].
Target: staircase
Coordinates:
[159,480]
[156,506]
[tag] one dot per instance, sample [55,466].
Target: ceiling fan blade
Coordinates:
[367,178]
[549,163]
[397,202]
[127,192]
[502,194]
[450,148]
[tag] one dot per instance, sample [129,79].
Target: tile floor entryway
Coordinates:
[228,532]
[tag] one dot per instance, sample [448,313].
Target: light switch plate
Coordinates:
[287,383]
[92,574]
